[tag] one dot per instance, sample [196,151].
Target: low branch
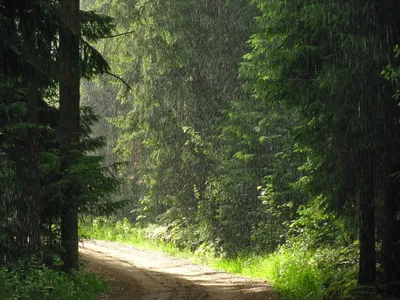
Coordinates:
[116,35]
[120,79]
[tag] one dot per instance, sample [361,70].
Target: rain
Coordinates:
[257,137]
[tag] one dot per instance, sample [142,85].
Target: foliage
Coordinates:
[304,139]
[124,231]
[200,150]
[32,183]
[311,55]
[392,73]
[33,281]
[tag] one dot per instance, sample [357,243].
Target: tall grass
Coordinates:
[294,275]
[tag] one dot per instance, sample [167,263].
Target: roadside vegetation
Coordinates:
[295,270]
[30,280]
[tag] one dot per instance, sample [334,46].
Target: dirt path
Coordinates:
[135,274]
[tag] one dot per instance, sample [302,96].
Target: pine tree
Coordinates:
[325,59]
[35,192]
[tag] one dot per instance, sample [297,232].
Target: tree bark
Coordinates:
[391,238]
[31,168]
[33,187]
[69,126]
[367,266]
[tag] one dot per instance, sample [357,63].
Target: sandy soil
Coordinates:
[135,274]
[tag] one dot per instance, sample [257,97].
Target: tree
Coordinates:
[32,193]
[183,78]
[23,77]
[325,59]
[76,58]
[391,207]
[201,149]
[36,194]
[69,124]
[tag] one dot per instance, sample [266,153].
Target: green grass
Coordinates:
[294,273]
[123,231]
[35,282]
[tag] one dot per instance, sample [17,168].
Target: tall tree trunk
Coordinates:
[69,126]
[367,267]
[391,238]
[31,168]
[33,187]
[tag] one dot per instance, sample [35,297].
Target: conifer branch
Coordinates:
[120,79]
[116,35]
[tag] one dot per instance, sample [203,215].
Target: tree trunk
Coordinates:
[367,267]
[391,239]
[31,168]
[69,126]
[33,187]
[391,235]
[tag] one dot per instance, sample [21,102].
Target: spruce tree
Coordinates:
[325,58]
[35,191]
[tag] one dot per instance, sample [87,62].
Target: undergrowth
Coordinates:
[35,282]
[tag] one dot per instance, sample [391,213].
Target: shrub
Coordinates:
[32,281]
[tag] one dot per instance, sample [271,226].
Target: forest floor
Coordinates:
[137,274]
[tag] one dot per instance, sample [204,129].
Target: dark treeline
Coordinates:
[245,127]
[47,175]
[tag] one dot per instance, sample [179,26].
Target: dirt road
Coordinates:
[135,274]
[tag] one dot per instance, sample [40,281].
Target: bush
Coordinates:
[32,281]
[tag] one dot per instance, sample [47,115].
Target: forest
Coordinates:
[261,133]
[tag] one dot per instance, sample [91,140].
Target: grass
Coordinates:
[123,231]
[294,273]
